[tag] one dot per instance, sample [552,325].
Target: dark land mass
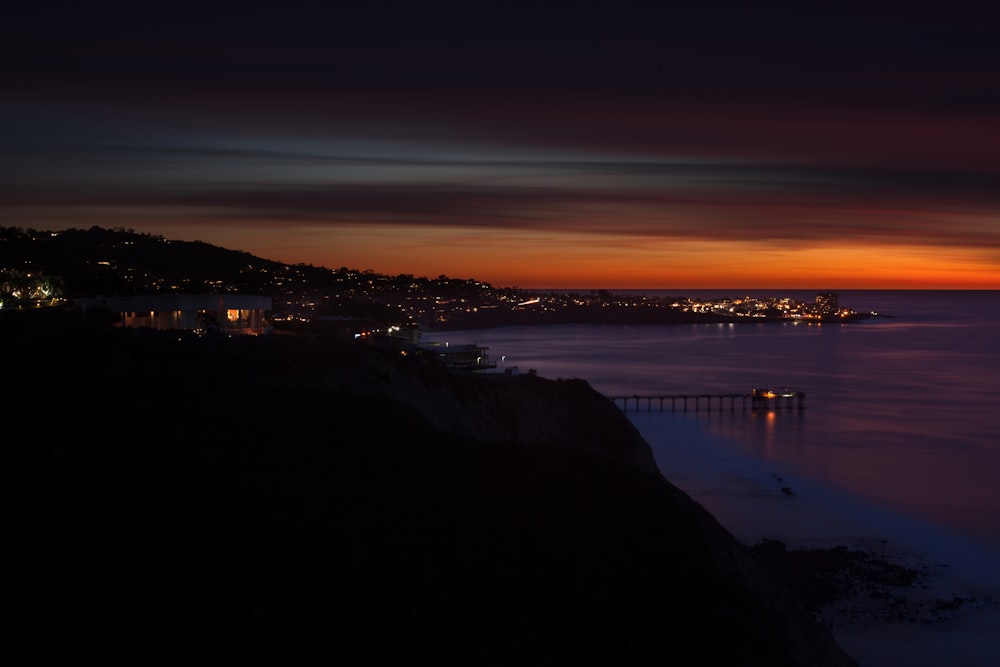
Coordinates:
[306,500]
[615,314]
[574,314]
[122,262]
[85,263]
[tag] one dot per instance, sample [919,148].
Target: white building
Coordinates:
[230,313]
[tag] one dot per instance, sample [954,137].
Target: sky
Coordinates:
[624,145]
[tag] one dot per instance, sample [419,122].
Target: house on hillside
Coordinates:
[227,313]
[466,357]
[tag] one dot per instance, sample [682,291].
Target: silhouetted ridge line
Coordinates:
[313,500]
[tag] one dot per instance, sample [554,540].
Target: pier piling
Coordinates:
[757,399]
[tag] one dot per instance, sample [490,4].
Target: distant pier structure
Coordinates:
[782,398]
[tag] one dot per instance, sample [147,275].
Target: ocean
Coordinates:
[902,411]
[896,450]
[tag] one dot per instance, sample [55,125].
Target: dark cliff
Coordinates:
[269,499]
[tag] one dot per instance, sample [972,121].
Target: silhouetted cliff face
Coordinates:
[269,499]
[494,408]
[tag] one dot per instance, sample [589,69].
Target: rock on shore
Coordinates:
[259,500]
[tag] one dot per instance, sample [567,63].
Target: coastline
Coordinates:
[619,315]
[315,500]
[947,615]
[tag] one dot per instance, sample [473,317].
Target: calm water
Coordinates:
[902,411]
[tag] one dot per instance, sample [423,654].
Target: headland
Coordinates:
[310,499]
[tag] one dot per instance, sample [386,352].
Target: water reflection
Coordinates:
[901,412]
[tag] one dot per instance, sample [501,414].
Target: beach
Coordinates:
[948,616]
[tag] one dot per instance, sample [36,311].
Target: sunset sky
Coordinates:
[585,145]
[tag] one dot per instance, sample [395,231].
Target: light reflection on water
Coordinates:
[902,411]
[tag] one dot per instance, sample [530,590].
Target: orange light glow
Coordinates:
[584,261]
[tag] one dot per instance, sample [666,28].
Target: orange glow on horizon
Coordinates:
[551,260]
[584,262]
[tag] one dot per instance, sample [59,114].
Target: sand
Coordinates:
[950,616]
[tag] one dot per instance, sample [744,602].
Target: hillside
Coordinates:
[118,261]
[311,501]
[115,262]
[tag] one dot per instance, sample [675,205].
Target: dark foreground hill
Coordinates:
[279,500]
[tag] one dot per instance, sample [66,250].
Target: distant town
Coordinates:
[40,268]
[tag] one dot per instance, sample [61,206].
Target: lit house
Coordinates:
[227,313]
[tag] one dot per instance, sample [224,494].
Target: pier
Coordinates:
[757,399]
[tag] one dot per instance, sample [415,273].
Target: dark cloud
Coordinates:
[785,123]
[734,202]
[776,53]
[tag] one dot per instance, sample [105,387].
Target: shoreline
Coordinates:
[946,613]
[625,317]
